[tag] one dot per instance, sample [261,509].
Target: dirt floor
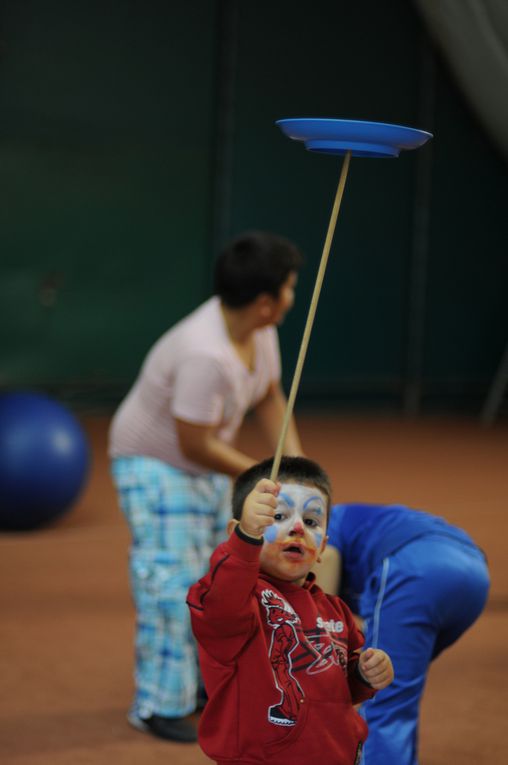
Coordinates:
[67,619]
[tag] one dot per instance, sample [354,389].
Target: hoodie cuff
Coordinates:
[246,537]
[243,546]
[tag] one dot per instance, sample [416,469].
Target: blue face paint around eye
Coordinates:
[287,499]
[314,505]
[270,533]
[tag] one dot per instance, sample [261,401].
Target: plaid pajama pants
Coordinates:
[176,520]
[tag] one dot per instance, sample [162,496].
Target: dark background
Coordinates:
[136,138]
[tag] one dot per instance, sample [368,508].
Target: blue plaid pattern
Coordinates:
[176,520]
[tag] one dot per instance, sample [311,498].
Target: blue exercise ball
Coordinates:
[44,460]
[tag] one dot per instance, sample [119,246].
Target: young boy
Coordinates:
[280,659]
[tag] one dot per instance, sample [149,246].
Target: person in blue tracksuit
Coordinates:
[418,583]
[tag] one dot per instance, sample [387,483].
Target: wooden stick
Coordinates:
[310,316]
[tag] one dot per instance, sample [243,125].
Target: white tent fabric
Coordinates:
[473,35]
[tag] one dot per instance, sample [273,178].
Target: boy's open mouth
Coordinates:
[294,548]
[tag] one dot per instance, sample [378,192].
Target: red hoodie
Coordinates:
[278,664]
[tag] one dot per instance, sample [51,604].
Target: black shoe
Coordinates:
[277,716]
[170,728]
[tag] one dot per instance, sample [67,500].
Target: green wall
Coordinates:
[119,179]
[106,115]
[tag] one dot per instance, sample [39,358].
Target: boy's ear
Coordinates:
[231,525]
[264,304]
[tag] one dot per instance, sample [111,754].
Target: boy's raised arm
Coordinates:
[222,604]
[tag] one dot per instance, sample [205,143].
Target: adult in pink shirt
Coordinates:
[172,444]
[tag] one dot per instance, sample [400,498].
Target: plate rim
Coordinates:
[420,131]
[402,137]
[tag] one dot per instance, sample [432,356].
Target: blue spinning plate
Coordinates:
[363,139]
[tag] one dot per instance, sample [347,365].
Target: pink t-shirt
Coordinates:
[194,374]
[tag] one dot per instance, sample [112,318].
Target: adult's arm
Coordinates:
[270,413]
[199,443]
[199,392]
[328,570]
[328,574]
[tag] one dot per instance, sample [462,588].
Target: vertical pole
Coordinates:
[310,316]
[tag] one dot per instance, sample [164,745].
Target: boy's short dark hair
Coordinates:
[253,263]
[292,469]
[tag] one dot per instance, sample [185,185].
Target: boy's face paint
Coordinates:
[298,534]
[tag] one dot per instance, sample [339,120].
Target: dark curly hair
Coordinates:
[255,262]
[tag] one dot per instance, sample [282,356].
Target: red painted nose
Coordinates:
[297,529]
